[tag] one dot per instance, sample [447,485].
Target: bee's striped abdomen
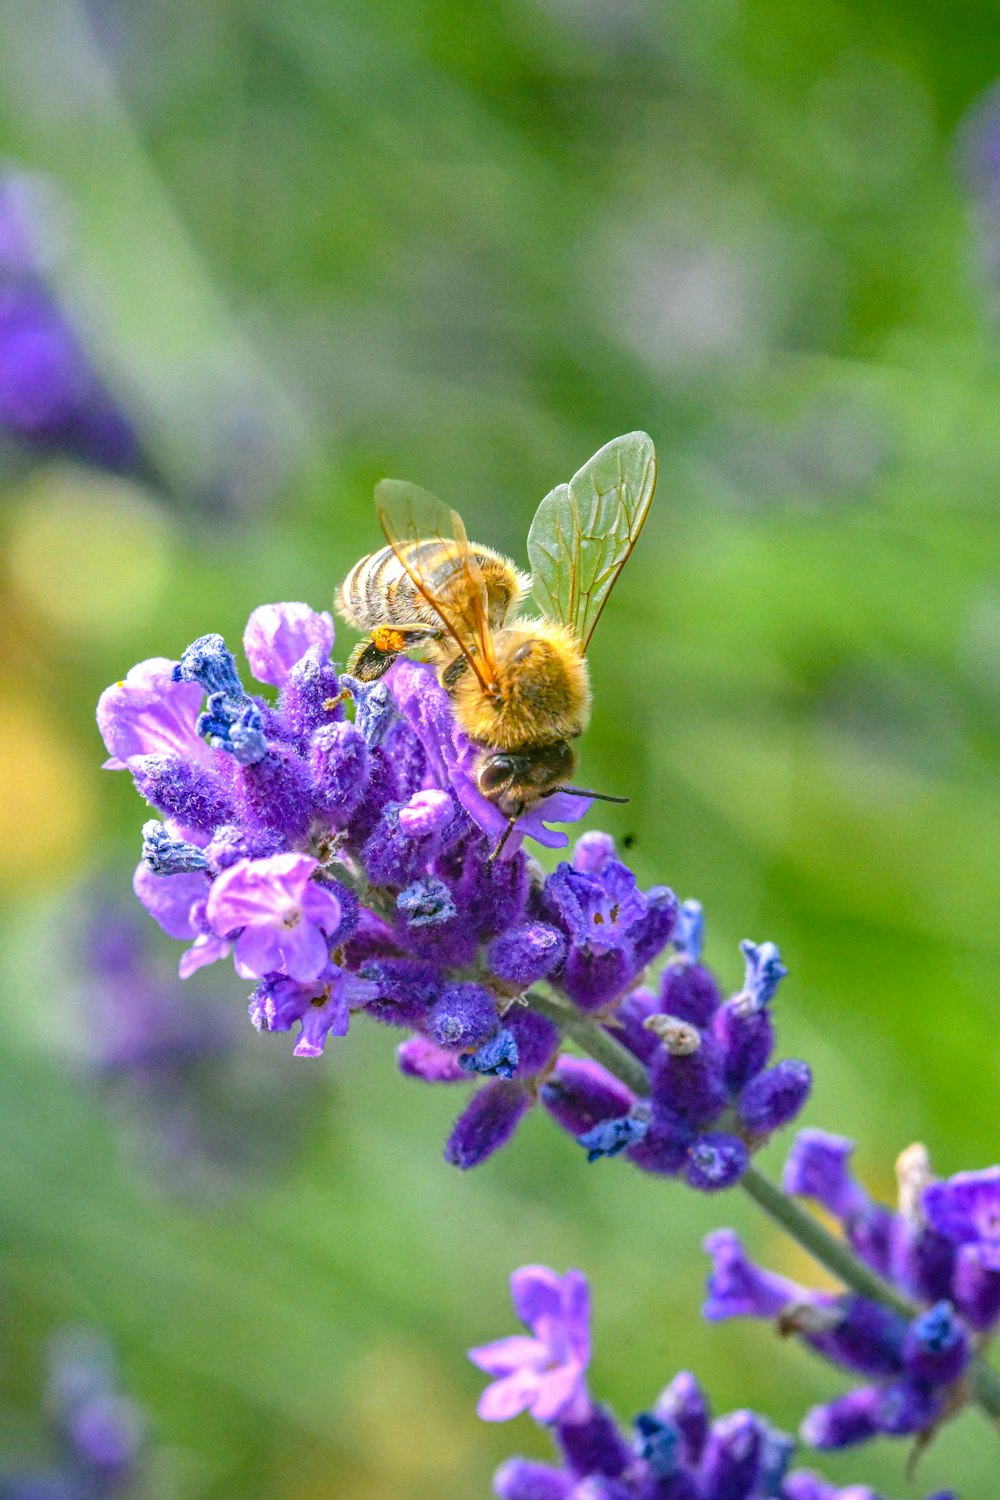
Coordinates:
[379,591]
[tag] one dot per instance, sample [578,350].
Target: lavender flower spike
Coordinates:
[544,1374]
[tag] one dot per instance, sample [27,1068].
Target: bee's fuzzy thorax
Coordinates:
[542,690]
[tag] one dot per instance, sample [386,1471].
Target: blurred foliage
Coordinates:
[314,243]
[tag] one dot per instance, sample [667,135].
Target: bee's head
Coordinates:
[514,783]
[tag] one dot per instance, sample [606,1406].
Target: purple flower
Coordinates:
[281,918]
[543,1374]
[675,1451]
[51,397]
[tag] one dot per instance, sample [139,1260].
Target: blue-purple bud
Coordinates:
[976,1286]
[463,1016]
[581,1094]
[496,1058]
[419,1058]
[426,902]
[764,972]
[374,709]
[209,661]
[407,989]
[818,1167]
[185,792]
[310,696]
[731,1463]
[526,953]
[487,1123]
[521,1479]
[716,1161]
[746,1035]
[594,1446]
[658,1442]
[683,1405]
[690,992]
[610,1137]
[775,1097]
[689,931]
[691,1085]
[165,855]
[338,764]
[936,1349]
[536,1037]
[664,1150]
[274,793]
[849,1419]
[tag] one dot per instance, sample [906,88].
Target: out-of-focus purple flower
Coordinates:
[966,1208]
[938,1249]
[282,920]
[675,1450]
[52,399]
[544,1374]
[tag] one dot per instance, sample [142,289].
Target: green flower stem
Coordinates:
[830,1252]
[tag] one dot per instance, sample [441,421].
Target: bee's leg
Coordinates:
[494,854]
[371,659]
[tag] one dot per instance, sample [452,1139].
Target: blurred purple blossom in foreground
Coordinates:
[346,868]
[940,1248]
[98,1434]
[674,1450]
[52,400]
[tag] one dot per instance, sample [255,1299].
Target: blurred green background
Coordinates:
[314,243]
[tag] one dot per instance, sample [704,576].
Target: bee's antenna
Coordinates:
[495,853]
[582,791]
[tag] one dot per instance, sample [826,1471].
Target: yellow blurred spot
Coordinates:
[89,552]
[46,802]
[400,1379]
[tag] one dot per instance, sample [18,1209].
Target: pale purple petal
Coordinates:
[258,951]
[537,1293]
[279,635]
[170,899]
[509,1397]
[321,907]
[304,952]
[206,949]
[332,1018]
[576,1311]
[557,1389]
[259,889]
[150,714]
[504,1356]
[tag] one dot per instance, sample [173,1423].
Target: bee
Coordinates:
[519,684]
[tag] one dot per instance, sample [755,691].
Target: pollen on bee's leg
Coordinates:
[385,638]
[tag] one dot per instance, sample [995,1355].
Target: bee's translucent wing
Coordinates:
[583,532]
[431,545]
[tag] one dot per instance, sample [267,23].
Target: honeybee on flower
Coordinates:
[519,684]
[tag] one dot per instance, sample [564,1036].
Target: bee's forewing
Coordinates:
[584,531]
[409,515]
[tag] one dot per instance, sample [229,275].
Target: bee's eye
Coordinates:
[495,773]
